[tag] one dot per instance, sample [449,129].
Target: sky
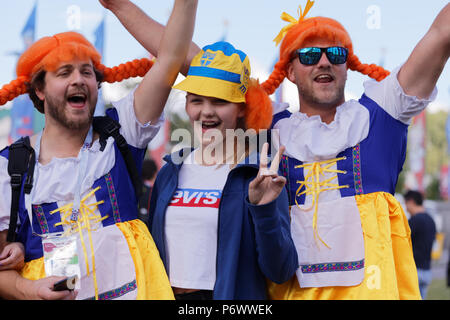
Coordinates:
[382,31]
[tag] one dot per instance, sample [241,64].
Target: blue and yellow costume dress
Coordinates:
[116,253]
[351,234]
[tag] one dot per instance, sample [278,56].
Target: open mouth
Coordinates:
[77,100]
[324,78]
[206,125]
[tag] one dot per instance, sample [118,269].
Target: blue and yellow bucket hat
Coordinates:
[220,71]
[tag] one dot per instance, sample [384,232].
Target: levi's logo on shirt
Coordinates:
[196,198]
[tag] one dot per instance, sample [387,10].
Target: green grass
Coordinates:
[438,290]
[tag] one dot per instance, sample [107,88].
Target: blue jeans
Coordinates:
[425,277]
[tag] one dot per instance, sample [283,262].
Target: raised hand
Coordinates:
[267,185]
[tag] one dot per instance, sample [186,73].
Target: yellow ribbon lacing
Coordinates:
[313,186]
[292,21]
[86,219]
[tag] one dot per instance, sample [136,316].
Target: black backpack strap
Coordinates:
[21,158]
[108,127]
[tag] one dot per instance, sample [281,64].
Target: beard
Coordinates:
[57,110]
[326,100]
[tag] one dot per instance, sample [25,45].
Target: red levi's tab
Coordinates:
[196,198]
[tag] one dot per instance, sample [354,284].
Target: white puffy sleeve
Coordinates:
[389,95]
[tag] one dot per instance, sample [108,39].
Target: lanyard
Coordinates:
[84,159]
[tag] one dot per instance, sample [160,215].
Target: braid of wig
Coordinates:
[258,111]
[13,89]
[130,69]
[49,52]
[372,70]
[276,77]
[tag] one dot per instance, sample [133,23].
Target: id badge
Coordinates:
[61,257]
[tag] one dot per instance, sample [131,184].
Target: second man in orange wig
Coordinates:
[342,159]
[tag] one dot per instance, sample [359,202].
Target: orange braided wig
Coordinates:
[47,54]
[314,28]
[258,113]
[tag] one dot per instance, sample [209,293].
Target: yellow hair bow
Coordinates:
[292,21]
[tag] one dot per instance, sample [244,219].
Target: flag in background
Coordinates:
[99,44]
[29,30]
[99,34]
[417,147]
[22,111]
[225,32]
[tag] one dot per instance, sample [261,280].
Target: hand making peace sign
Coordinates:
[267,186]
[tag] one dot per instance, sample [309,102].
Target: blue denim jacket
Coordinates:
[254,242]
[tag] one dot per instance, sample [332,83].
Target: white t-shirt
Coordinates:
[191,225]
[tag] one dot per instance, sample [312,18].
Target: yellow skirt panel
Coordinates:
[390,270]
[151,277]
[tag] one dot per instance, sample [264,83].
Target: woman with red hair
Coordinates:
[218,215]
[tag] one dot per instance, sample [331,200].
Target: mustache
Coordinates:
[77,90]
[324,70]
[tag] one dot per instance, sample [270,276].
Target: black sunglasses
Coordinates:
[311,56]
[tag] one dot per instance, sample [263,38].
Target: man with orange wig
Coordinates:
[80,217]
[343,158]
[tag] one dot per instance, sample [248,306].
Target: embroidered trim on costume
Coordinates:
[41,218]
[113,198]
[285,172]
[116,293]
[333,266]
[357,169]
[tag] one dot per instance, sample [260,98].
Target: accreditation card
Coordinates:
[61,256]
